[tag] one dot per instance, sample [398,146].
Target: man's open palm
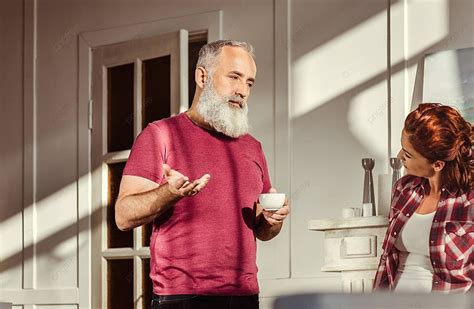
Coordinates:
[180,184]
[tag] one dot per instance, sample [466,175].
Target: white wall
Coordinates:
[337,114]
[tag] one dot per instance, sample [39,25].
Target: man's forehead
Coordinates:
[237,59]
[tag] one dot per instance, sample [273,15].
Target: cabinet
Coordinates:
[352,247]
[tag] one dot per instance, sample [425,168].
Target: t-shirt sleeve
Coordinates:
[146,157]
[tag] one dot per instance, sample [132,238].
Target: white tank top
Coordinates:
[415,273]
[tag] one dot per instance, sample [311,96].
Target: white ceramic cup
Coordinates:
[272,201]
[348,212]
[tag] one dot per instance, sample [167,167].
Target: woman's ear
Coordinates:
[439,165]
[200,76]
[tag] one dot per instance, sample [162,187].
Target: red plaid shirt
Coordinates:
[451,237]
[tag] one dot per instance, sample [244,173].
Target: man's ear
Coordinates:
[200,76]
[439,165]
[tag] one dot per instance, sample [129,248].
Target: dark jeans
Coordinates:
[204,302]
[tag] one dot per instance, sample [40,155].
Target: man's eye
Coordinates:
[234,77]
[250,85]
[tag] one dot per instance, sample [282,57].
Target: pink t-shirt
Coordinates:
[204,244]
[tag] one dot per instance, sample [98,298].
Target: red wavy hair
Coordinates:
[439,132]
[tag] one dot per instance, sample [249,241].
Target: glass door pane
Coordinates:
[146,234]
[120,107]
[120,284]
[115,237]
[193,54]
[156,85]
[146,284]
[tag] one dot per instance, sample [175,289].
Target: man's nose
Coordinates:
[242,90]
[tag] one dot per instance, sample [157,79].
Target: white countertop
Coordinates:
[356,222]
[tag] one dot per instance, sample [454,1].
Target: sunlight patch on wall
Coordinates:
[11,244]
[340,65]
[10,236]
[56,212]
[55,232]
[56,223]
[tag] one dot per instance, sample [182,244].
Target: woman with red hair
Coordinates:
[430,237]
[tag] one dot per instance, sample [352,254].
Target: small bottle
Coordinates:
[369,195]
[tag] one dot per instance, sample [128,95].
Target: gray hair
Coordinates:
[209,52]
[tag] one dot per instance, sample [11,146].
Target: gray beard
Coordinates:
[222,116]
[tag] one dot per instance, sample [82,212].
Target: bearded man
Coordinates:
[198,176]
